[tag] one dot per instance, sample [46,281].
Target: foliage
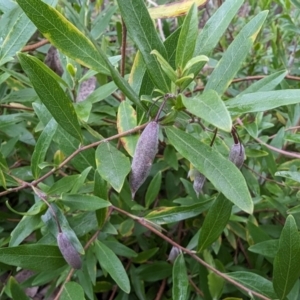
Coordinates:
[71,122]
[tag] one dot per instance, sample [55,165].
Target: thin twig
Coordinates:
[76,152]
[283,152]
[161,290]
[144,223]
[16,107]
[198,291]
[35,46]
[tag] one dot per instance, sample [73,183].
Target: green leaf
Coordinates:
[266,84]
[63,34]
[112,165]
[287,260]
[210,107]
[234,56]
[180,279]
[84,202]
[195,61]
[33,257]
[214,222]
[137,73]
[223,174]
[215,27]
[166,215]
[153,189]
[126,120]
[213,30]
[16,31]
[101,92]
[51,94]
[63,185]
[112,265]
[80,180]
[72,42]
[215,282]
[155,271]
[28,224]
[140,27]
[68,144]
[119,248]
[262,101]
[17,292]
[41,147]
[144,256]
[267,248]
[72,291]
[3,163]
[187,38]
[165,66]
[254,282]
[101,22]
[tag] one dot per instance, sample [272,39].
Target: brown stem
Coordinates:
[35,46]
[144,223]
[161,290]
[80,149]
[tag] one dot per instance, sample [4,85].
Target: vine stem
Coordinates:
[76,152]
[283,152]
[35,46]
[144,223]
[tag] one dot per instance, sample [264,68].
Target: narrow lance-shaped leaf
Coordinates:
[111,263]
[214,222]
[180,279]
[234,56]
[262,101]
[72,291]
[221,172]
[126,120]
[210,107]
[166,215]
[266,84]
[72,42]
[51,94]
[16,290]
[215,27]
[16,31]
[33,257]
[213,30]
[42,146]
[187,38]
[63,34]
[254,282]
[287,259]
[141,29]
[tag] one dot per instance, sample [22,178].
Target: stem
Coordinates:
[144,223]
[80,149]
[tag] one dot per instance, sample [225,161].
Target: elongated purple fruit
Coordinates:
[144,155]
[68,251]
[199,181]
[237,154]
